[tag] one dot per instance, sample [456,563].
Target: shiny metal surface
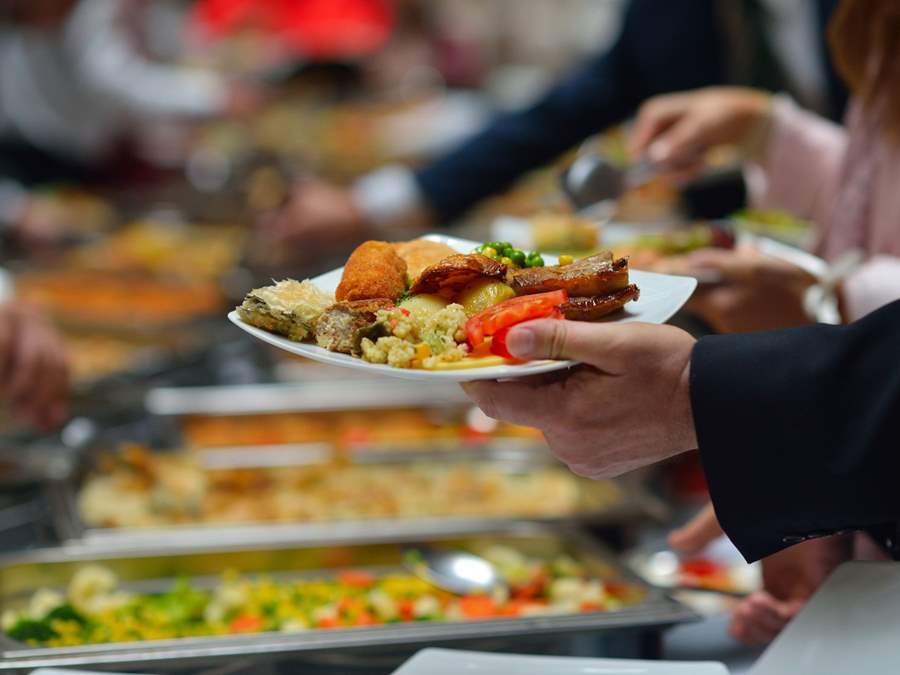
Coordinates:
[22,574]
[455,571]
[513,455]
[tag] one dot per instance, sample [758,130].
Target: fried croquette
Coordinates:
[374,270]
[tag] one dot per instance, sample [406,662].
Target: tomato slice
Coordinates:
[495,321]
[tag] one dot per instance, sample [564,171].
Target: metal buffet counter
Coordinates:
[202,560]
[306,436]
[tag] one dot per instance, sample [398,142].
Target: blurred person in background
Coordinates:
[777,45]
[842,179]
[34,379]
[74,80]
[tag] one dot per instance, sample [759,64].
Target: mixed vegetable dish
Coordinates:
[95,608]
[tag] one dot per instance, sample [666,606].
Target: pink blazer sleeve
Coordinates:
[801,166]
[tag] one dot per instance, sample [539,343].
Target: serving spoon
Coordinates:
[458,572]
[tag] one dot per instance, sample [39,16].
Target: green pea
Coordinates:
[518,257]
[534,259]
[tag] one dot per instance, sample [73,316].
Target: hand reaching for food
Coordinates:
[757,292]
[790,577]
[34,376]
[674,130]
[626,407]
[698,533]
[318,218]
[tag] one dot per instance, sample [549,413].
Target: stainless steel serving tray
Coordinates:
[513,455]
[22,574]
[316,395]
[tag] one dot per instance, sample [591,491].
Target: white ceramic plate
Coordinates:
[452,662]
[661,296]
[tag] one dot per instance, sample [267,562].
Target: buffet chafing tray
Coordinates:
[513,455]
[22,574]
[319,395]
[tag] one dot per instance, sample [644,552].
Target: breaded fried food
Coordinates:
[421,253]
[289,308]
[455,272]
[338,329]
[594,275]
[593,308]
[373,270]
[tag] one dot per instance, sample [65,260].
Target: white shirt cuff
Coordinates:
[389,196]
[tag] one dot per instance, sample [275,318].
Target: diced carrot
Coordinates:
[423,351]
[477,606]
[511,608]
[365,619]
[246,623]
[589,607]
[355,578]
[328,622]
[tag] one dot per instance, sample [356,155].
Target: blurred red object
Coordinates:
[321,29]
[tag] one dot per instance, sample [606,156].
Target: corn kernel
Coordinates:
[566,260]
[506,261]
[490,252]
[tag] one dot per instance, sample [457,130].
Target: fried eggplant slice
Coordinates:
[344,324]
[593,308]
[290,308]
[453,273]
[373,271]
[594,275]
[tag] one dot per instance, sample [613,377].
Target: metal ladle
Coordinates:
[454,571]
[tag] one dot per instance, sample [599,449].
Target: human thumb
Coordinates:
[559,339]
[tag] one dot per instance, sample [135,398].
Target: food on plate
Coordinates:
[138,489]
[598,306]
[96,608]
[291,308]
[424,304]
[416,340]
[455,272]
[509,255]
[421,253]
[597,285]
[341,327]
[563,232]
[593,275]
[457,311]
[496,321]
[373,271]
[657,250]
[484,293]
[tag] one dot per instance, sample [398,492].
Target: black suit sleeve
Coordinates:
[661,47]
[799,430]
